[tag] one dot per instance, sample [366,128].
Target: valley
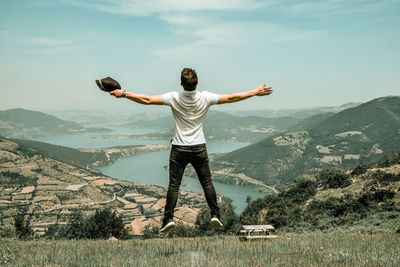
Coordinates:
[48,182]
[48,191]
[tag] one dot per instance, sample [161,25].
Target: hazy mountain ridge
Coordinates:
[364,132]
[300,113]
[222,126]
[21,123]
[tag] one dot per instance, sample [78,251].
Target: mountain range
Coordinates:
[300,113]
[365,132]
[224,126]
[21,123]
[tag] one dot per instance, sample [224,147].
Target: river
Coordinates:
[149,168]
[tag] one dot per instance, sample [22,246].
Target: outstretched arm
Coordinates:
[138,98]
[260,91]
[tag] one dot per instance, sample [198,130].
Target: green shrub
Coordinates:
[13,179]
[55,231]
[282,209]
[75,227]
[361,168]
[151,231]
[22,228]
[38,170]
[300,191]
[332,206]
[105,223]
[383,177]
[375,197]
[334,211]
[333,179]
[27,151]
[228,218]
[100,225]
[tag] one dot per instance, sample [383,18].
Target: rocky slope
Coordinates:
[364,201]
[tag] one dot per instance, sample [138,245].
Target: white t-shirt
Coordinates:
[189,109]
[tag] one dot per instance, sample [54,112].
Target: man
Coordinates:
[189,109]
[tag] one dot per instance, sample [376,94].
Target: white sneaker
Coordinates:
[216,223]
[167,226]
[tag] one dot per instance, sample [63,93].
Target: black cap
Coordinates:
[108,84]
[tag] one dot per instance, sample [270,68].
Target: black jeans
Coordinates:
[179,158]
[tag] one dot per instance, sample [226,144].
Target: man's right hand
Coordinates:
[260,91]
[263,90]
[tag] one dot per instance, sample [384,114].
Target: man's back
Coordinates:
[189,109]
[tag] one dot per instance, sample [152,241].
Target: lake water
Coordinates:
[149,168]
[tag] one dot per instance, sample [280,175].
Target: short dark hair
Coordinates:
[189,79]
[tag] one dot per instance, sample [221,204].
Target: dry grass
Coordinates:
[313,249]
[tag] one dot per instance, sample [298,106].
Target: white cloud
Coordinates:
[294,7]
[182,19]
[60,50]
[154,7]
[51,45]
[234,35]
[185,18]
[206,30]
[329,8]
[48,41]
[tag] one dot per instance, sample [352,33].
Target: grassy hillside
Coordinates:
[61,153]
[365,132]
[84,158]
[362,200]
[315,249]
[21,123]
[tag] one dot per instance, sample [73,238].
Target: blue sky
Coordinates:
[314,53]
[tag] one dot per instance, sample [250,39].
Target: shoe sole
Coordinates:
[168,227]
[216,223]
